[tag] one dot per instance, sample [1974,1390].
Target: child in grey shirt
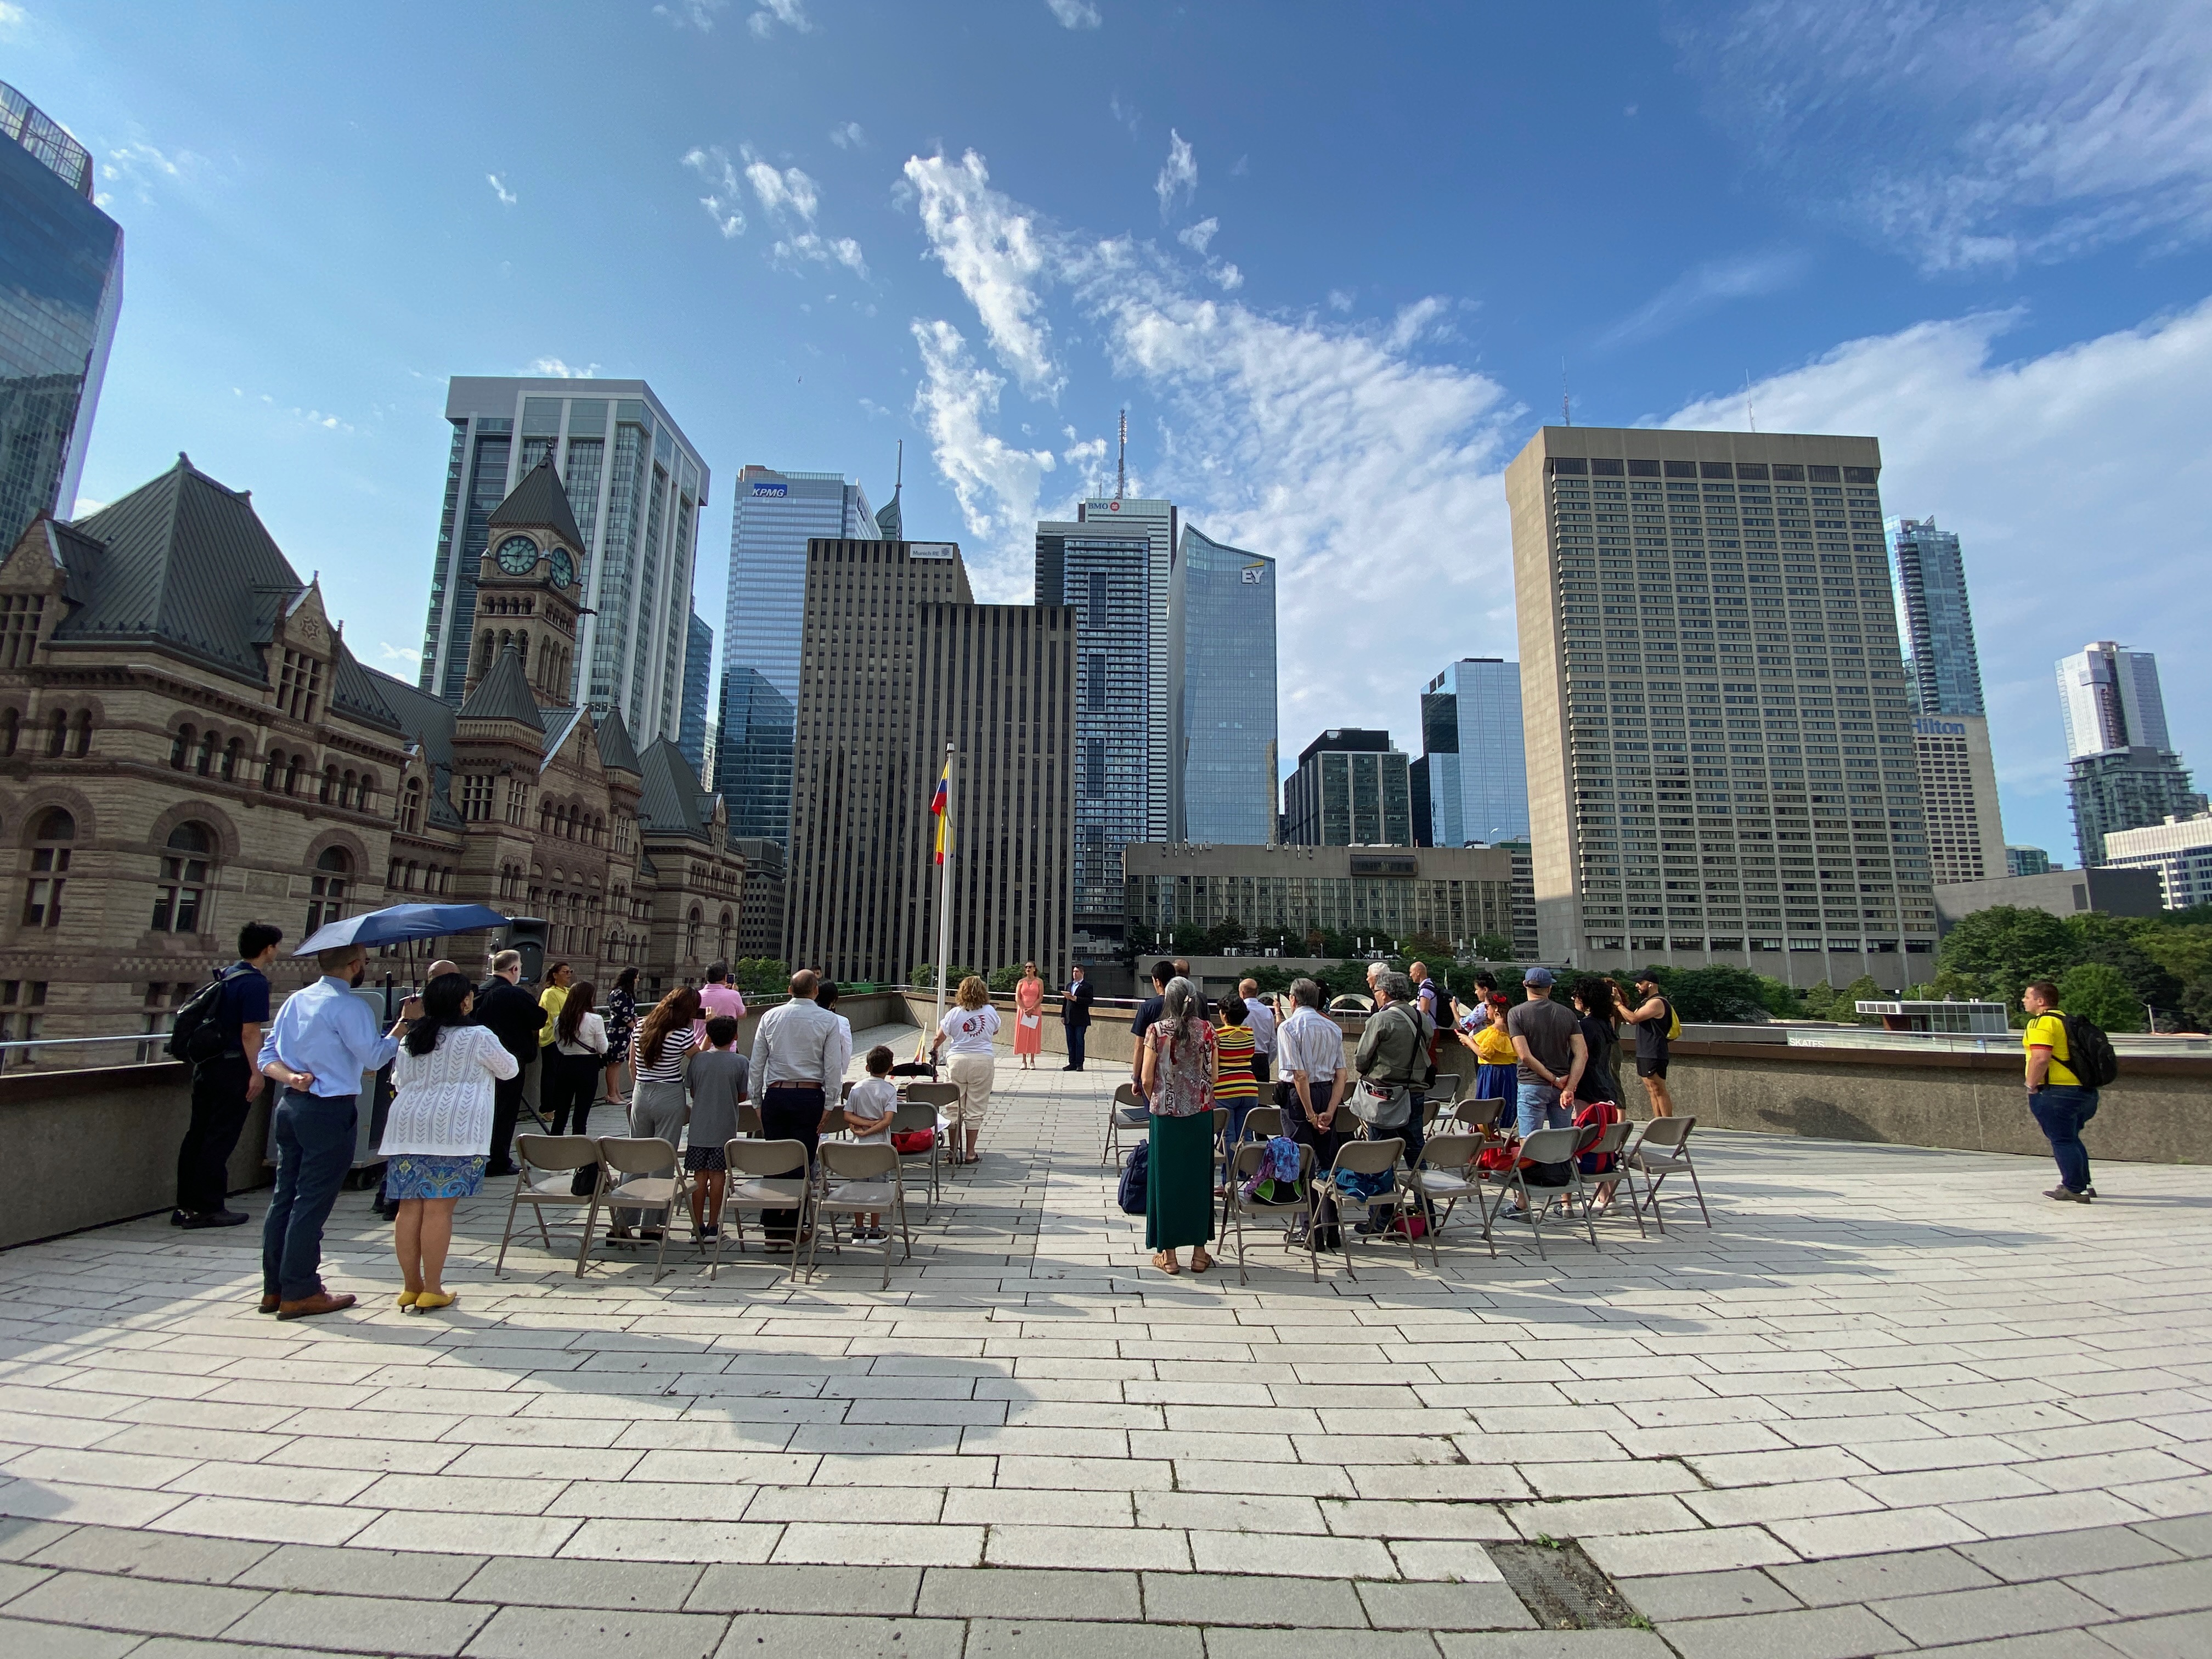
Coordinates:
[718,1084]
[868,1111]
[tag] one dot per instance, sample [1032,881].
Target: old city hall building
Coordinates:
[186,744]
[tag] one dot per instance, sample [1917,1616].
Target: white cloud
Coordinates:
[831,250]
[1178,174]
[1226,275]
[507,197]
[849,135]
[791,14]
[1710,285]
[2076,482]
[1127,115]
[1341,299]
[555,368]
[1977,132]
[1074,14]
[996,483]
[1195,237]
[790,191]
[697,14]
[144,167]
[387,652]
[991,248]
[714,164]
[11,17]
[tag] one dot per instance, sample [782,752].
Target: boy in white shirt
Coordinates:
[868,1111]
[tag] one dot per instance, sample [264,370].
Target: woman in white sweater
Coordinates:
[435,1135]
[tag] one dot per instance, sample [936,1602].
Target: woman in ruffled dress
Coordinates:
[621,1019]
[435,1135]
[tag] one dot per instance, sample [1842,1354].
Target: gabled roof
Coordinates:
[428,719]
[539,502]
[616,752]
[673,804]
[560,724]
[503,693]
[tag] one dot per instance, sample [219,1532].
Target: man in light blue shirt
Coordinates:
[322,1040]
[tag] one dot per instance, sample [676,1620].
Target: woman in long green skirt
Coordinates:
[1178,1071]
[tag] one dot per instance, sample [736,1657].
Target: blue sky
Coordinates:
[1333,259]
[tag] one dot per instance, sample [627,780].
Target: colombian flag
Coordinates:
[936,810]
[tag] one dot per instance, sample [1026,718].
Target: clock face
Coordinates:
[564,568]
[517,555]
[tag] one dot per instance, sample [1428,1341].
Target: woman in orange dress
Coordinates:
[1028,1016]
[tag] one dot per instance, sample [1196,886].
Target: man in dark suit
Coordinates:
[511,1014]
[1075,1014]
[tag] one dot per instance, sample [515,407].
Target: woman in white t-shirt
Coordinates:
[965,1035]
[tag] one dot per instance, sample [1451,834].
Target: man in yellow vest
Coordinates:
[2055,1094]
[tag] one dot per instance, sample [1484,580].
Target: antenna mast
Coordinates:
[1566,403]
[1121,462]
[898,478]
[1750,415]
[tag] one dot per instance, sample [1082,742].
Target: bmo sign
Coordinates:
[1934,728]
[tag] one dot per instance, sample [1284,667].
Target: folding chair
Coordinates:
[1443,1088]
[860,1178]
[833,1123]
[1127,1110]
[1609,1143]
[1480,1114]
[1240,1209]
[765,1175]
[749,1123]
[909,1118]
[1446,1173]
[1545,1147]
[1262,1123]
[1367,1157]
[558,1155]
[1662,1149]
[652,1178]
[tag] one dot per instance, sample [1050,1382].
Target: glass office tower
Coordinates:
[1934,619]
[61,286]
[2122,770]
[636,487]
[1471,737]
[1221,614]
[698,662]
[775,516]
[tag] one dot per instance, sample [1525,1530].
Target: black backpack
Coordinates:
[194,1037]
[1136,1172]
[2089,1054]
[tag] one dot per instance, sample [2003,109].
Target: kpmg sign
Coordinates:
[771,490]
[1934,728]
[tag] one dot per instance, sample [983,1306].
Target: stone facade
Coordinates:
[186,744]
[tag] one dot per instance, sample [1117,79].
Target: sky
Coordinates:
[1337,263]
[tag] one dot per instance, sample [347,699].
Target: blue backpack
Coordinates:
[1136,1178]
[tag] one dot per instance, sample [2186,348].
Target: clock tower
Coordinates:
[530,587]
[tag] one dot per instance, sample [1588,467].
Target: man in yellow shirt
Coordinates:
[2055,1094]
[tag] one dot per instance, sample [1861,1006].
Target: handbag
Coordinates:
[1382,1105]
[912,1141]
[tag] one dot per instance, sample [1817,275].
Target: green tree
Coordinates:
[762,974]
[1224,937]
[1188,939]
[1717,995]
[1819,1001]
[1861,989]
[1493,947]
[1780,998]
[2005,947]
[1003,980]
[1270,977]
[2118,942]
[2099,993]
[1438,953]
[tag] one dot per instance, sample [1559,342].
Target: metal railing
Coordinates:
[27,1054]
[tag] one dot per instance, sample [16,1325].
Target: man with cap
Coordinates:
[1547,1041]
[1651,1017]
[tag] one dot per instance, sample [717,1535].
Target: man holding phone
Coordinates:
[323,1039]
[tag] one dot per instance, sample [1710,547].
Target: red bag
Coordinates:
[913,1140]
[1591,1122]
[1417,1225]
[1499,1158]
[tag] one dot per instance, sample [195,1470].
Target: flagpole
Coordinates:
[944,886]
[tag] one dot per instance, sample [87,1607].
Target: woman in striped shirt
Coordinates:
[1234,1084]
[658,1106]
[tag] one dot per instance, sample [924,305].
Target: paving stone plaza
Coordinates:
[1892,1400]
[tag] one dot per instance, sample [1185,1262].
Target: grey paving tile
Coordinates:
[1017,1593]
[1207,1598]
[108,1603]
[2181,1636]
[15,1579]
[1553,1645]
[776,1636]
[1709,1594]
[360,1571]
[35,1641]
[21,1537]
[727,1588]
[1436,1607]
[1233,1643]
[2063,1554]
[992,1638]
[535,1581]
[1872,1577]
[1975,1614]
[2137,1592]
[562,1633]
[1847,1632]
[361,1624]
[153,1554]
[2188,1535]
[2044,1644]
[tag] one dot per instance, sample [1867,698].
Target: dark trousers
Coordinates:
[314,1150]
[1075,1035]
[219,1109]
[790,1111]
[505,1108]
[2061,1109]
[1260,1064]
[570,1086]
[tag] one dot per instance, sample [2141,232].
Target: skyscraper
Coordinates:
[1115,574]
[899,660]
[698,661]
[1719,732]
[61,287]
[775,514]
[1472,739]
[1934,622]
[1221,616]
[1351,789]
[636,486]
[2122,772]
[1959,783]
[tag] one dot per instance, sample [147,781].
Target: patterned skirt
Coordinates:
[707,1159]
[425,1174]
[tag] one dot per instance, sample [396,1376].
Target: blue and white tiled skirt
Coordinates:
[425,1174]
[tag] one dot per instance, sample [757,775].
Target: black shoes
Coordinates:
[207,1218]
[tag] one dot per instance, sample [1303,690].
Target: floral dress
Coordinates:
[621,1016]
[1179,1181]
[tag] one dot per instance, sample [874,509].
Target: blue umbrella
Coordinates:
[397,922]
